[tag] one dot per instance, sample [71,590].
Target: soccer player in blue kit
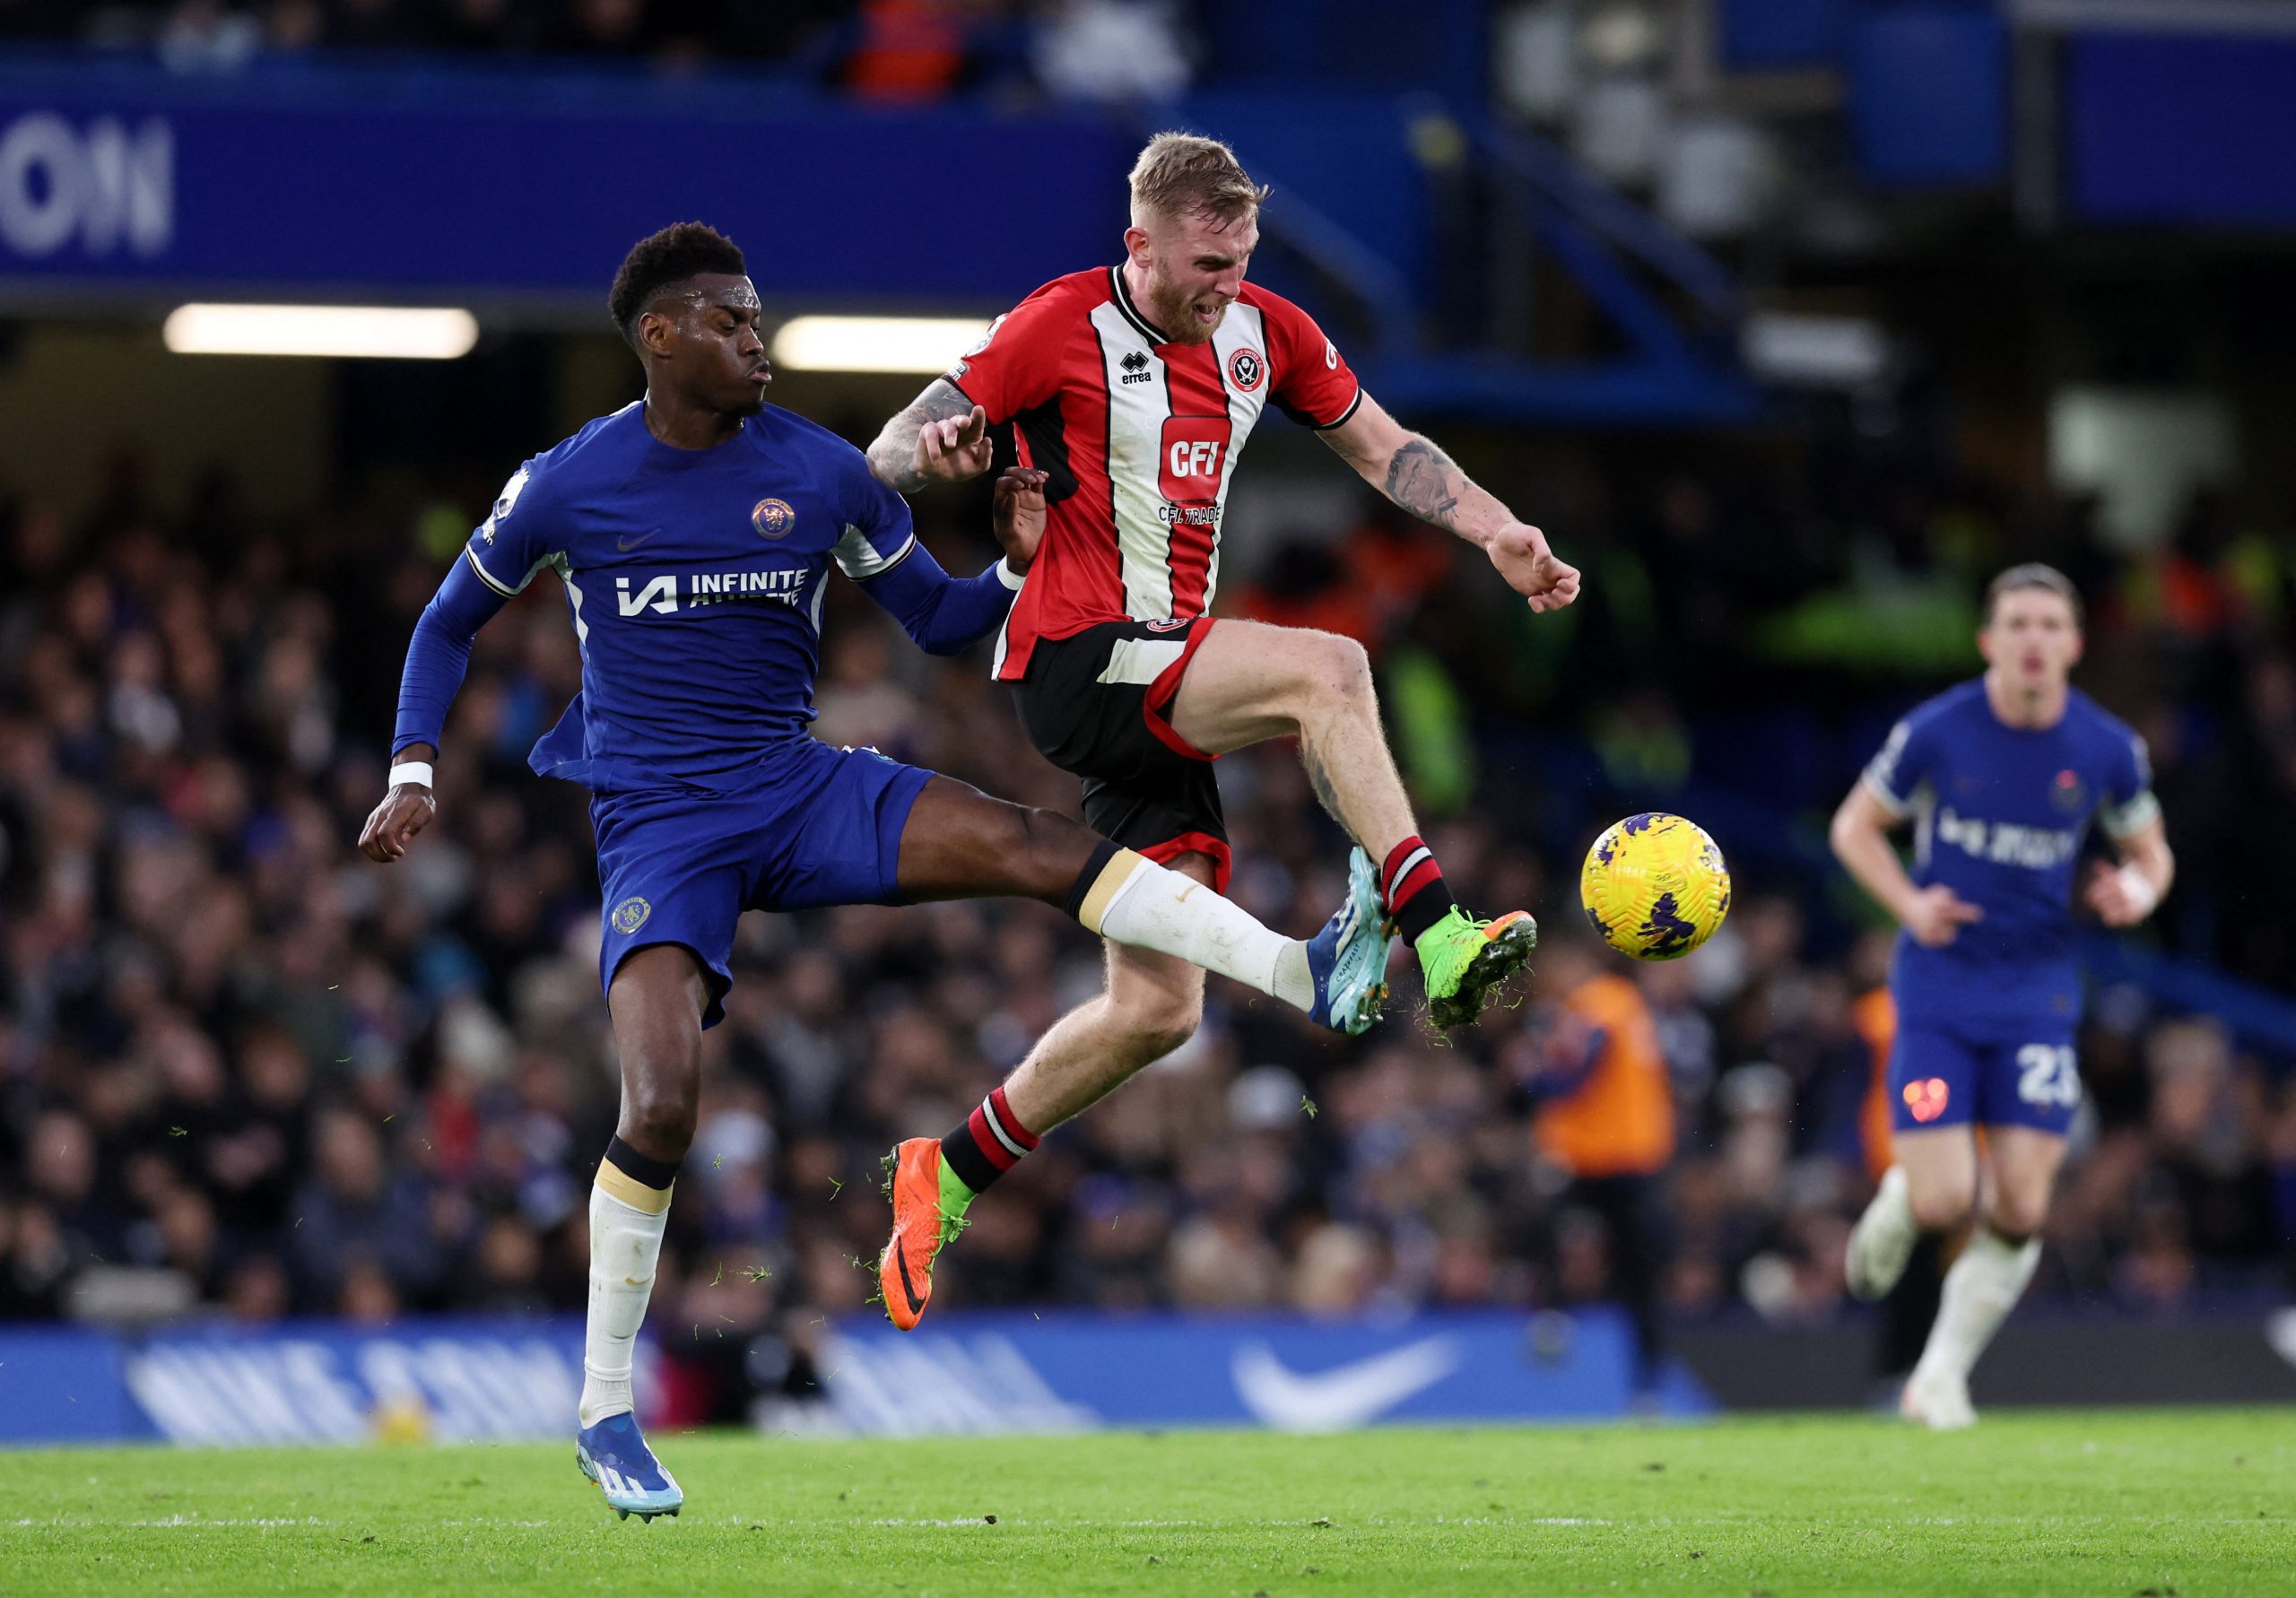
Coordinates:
[694,531]
[2001,776]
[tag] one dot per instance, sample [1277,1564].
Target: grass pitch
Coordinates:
[2134,1503]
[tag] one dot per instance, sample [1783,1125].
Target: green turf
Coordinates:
[2127,1502]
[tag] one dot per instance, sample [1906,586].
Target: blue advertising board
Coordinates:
[1063,1371]
[2166,130]
[470,1380]
[453,1380]
[463,184]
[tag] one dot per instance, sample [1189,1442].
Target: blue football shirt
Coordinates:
[2000,815]
[694,579]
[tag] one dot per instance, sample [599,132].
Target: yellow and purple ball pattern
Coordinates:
[1655,886]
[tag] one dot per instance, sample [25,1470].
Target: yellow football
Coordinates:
[1655,886]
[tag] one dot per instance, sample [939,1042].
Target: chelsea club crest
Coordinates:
[631,915]
[773,518]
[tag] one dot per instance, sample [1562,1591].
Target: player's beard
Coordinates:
[1174,311]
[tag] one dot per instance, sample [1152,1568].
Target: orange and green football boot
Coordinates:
[1463,960]
[928,1210]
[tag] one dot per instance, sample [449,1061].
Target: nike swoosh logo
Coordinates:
[1337,1400]
[627,545]
[909,1291]
[634,1281]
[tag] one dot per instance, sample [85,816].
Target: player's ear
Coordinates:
[656,333]
[1136,244]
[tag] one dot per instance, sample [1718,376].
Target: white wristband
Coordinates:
[1012,579]
[2139,889]
[417,772]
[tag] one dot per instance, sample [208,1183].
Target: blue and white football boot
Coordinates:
[614,1456]
[1349,958]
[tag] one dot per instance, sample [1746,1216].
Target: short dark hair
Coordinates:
[663,260]
[2033,575]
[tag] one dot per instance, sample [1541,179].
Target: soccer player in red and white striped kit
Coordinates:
[1135,387]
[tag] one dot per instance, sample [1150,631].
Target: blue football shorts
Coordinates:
[817,826]
[1991,1073]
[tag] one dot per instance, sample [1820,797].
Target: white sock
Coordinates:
[1155,907]
[1893,1206]
[625,1242]
[1980,1290]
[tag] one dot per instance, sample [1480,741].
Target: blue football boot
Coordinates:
[1349,958]
[614,1456]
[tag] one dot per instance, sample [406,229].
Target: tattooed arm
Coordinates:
[1415,473]
[941,437]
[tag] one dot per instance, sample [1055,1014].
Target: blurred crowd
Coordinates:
[246,1072]
[883,50]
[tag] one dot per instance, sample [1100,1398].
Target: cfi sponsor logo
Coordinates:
[631,915]
[1246,369]
[773,518]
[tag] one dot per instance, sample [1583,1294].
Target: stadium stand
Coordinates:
[245,1073]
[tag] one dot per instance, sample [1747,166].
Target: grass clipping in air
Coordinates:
[2119,1503]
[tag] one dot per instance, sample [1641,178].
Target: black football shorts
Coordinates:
[1096,705]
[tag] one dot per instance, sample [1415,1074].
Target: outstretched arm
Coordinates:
[436,657]
[941,437]
[946,615]
[1413,472]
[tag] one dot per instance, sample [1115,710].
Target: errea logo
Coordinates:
[1136,367]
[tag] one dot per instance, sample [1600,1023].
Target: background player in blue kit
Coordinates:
[694,532]
[2001,776]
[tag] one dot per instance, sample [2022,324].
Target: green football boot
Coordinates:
[1463,960]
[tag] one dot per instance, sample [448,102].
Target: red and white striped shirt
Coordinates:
[1140,435]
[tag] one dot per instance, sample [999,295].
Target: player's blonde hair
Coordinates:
[1182,174]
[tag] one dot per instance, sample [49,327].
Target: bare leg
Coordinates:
[1151,1006]
[1985,1283]
[1248,682]
[1931,1187]
[657,999]
[2023,1166]
[1941,1174]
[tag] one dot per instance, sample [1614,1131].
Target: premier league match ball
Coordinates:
[1655,886]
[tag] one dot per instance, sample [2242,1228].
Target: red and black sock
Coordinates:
[989,1143]
[1412,884]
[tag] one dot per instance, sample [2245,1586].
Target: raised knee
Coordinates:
[1342,669]
[1942,1207]
[2013,1219]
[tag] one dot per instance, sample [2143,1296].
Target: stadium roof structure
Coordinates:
[123,187]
